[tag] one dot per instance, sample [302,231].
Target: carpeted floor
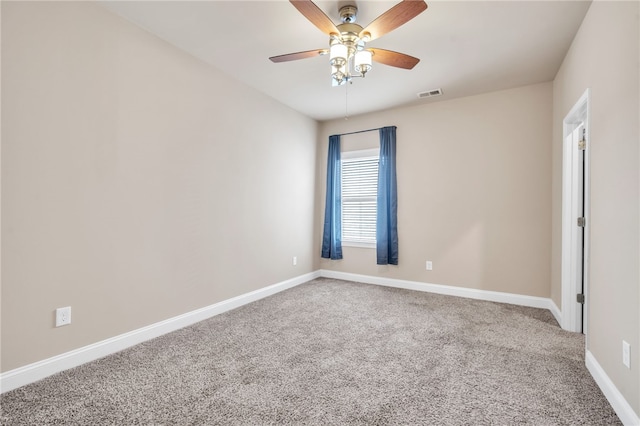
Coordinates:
[335,352]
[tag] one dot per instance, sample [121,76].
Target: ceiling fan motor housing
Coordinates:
[348,14]
[349,37]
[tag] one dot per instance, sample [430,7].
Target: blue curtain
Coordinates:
[332,235]
[387,209]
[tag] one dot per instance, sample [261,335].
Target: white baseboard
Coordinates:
[556,312]
[39,370]
[611,392]
[470,293]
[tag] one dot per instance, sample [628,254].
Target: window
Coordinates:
[359,197]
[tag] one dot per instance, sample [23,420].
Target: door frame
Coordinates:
[571,311]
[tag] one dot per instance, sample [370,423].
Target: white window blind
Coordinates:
[359,197]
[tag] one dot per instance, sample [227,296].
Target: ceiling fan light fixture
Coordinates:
[339,73]
[363,61]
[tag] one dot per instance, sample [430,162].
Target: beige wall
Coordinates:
[474,191]
[137,182]
[604,57]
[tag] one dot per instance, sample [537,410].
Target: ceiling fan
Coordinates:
[347,41]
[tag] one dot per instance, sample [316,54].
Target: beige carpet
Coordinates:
[335,352]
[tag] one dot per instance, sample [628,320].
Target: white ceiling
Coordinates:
[465,47]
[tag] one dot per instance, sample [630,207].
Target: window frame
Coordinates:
[363,154]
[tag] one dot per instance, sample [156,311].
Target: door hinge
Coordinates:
[582,143]
[580,298]
[581,222]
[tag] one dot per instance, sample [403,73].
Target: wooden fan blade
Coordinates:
[298,55]
[398,15]
[394,59]
[317,17]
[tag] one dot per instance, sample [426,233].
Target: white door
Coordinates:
[576,200]
[580,138]
[575,216]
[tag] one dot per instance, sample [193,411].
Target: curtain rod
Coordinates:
[359,131]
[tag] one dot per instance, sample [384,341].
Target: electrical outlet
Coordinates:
[295,260]
[626,354]
[63,316]
[429,265]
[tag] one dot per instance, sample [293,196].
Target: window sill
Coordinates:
[358,244]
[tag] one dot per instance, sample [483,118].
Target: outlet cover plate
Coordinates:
[626,354]
[63,316]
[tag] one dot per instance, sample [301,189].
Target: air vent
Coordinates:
[430,93]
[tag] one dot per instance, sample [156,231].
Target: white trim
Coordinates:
[557,314]
[39,370]
[571,315]
[358,244]
[613,395]
[469,293]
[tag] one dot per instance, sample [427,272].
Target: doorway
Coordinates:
[575,216]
